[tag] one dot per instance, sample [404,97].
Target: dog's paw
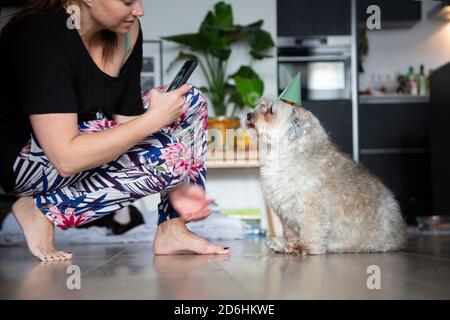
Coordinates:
[294,247]
[315,250]
[277,244]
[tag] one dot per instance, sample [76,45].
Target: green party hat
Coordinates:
[293,92]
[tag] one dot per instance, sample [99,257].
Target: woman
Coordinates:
[77,138]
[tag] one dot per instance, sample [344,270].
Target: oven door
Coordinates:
[323,78]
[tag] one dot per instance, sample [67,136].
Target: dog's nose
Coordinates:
[250,115]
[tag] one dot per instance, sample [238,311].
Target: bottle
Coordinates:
[412,81]
[422,81]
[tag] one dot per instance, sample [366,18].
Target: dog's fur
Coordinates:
[325,201]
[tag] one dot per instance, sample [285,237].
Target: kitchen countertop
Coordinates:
[392,98]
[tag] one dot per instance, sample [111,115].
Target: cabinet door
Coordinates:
[440,138]
[394,14]
[394,126]
[336,118]
[313,18]
[408,177]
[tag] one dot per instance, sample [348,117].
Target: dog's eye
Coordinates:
[270,110]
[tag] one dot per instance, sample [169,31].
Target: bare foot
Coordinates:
[38,230]
[172,237]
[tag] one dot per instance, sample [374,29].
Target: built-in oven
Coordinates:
[324,64]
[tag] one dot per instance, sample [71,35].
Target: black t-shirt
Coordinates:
[46,68]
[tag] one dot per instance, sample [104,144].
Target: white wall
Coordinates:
[392,51]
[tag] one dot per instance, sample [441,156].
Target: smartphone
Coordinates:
[183,75]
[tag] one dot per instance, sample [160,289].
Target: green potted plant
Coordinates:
[212,47]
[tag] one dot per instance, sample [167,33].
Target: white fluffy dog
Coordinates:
[325,201]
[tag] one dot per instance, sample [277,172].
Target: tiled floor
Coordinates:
[250,272]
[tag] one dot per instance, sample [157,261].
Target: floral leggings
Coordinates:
[166,158]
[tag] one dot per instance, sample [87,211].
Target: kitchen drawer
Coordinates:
[408,176]
[336,118]
[394,126]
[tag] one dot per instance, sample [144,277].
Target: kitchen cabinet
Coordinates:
[407,176]
[440,135]
[395,146]
[299,18]
[394,14]
[313,18]
[394,126]
[336,118]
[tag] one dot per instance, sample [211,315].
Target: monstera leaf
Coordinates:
[260,41]
[221,19]
[249,85]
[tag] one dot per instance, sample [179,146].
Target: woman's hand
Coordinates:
[165,107]
[190,202]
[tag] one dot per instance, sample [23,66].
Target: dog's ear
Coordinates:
[296,128]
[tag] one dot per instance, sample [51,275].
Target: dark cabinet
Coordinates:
[394,145]
[407,176]
[336,118]
[313,18]
[393,14]
[394,126]
[299,18]
[440,135]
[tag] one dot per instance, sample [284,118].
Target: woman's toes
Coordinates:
[221,250]
[210,248]
[60,256]
[46,258]
[51,257]
[41,256]
[54,257]
[65,255]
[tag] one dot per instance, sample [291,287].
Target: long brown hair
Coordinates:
[109,38]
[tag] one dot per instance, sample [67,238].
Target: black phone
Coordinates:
[183,75]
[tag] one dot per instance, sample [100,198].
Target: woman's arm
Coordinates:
[71,152]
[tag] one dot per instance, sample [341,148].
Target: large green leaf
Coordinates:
[249,85]
[234,96]
[242,32]
[215,31]
[260,41]
[219,19]
[259,55]
[192,40]
[221,54]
